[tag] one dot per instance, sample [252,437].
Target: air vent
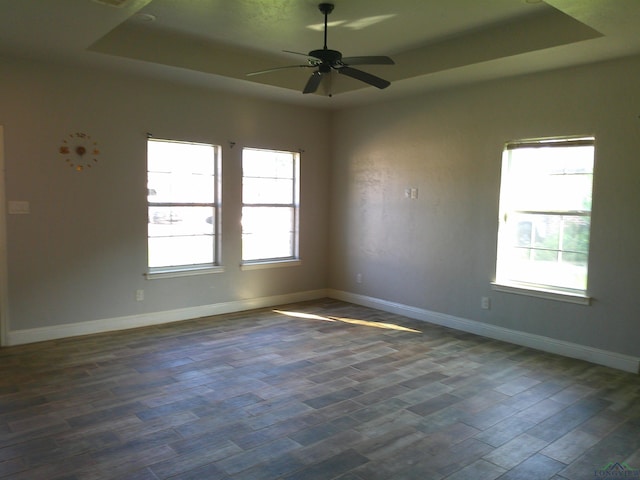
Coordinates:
[113,3]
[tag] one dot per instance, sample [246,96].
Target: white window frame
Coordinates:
[293,258]
[520,286]
[187,269]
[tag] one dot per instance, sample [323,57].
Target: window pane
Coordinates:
[269,179]
[179,157]
[545,255]
[547,231]
[181,173]
[576,259]
[546,271]
[169,187]
[267,219]
[267,164]
[576,234]
[267,232]
[534,230]
[266,246]
[174,221]
[552,178]
[523,232]
[267,190]
[538,264]
[175,251]
[545,203]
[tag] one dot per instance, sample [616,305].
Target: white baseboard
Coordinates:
[594,355]
[32,335]
[607,358]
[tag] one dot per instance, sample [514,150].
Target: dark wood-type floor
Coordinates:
[325,390]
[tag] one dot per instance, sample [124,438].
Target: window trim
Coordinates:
[182,272]
[172,271]
[532,290]
[277,262]
[270,263]
[549,292]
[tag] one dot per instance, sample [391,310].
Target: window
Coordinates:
[270,204]
[545,215]
[184,208]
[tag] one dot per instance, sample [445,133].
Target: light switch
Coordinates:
[19,207]
[411,193]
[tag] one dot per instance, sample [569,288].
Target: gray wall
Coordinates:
[437,252]
[80,255]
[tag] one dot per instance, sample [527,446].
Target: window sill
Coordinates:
[547,294]
[157,274]
[271,264]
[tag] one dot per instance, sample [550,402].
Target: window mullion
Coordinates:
[532,243]
[562,213]
[561,239]
[176,204]
[269,205]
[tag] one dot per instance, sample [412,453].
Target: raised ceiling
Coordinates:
[435,43]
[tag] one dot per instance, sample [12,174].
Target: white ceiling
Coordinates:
[435,43]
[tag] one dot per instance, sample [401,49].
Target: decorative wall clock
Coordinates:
[80,151]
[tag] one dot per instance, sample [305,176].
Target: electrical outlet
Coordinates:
[19,207]
[485,303]
[359,278]
[139,295]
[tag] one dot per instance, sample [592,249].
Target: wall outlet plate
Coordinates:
[485,303]
[19,207]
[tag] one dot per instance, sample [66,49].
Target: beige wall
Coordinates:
[80,255]
[437,252]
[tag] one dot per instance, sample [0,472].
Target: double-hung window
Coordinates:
[183,206]
[545,215]
[270,206]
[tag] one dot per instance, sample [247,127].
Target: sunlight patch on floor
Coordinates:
[353,321]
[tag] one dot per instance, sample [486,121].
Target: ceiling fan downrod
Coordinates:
[325,55]
[326,9]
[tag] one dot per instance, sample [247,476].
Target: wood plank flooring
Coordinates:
[319,390]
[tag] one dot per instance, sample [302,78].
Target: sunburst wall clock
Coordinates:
[80,151]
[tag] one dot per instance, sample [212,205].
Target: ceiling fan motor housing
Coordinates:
[326,8]
[326,55]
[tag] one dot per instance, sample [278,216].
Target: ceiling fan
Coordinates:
[325,60]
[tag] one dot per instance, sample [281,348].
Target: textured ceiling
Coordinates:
[434,43]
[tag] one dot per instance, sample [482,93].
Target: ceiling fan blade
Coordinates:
[364,77]
[296,53]
[313,83]
[275,69]
[371,60]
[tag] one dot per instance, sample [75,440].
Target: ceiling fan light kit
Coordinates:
[325,61]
